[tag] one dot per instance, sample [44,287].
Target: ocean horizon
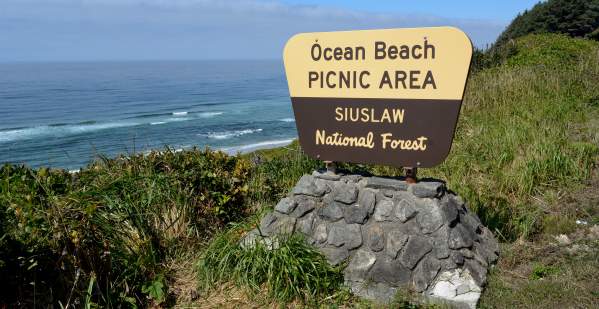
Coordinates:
[65,114]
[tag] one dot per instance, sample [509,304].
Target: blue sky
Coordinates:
[90,30]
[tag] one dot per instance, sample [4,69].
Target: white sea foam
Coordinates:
[287,120]
[57,131]
[176,119]
[157,123]
[209,114]
[256,146]
[179,113]
[230,134]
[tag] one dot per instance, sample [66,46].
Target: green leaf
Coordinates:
[155,289]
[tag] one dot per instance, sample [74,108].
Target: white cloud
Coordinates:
[184,29]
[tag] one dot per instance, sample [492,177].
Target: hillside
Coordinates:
[576,18]
[147,230]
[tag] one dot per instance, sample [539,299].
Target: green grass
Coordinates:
[292,270]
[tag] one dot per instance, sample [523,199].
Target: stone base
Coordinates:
[394,235]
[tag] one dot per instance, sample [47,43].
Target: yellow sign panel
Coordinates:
[412,63]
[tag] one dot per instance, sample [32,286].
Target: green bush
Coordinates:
[114,221]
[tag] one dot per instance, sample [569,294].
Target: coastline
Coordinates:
[232,151]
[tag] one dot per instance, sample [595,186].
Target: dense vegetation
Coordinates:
[576,18]
[116,232]
[100,235]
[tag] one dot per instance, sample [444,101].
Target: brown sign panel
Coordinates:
[378,96]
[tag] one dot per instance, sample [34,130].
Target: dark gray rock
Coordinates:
[304,225]
[388,193]
[460,237]
[440,240]
[411,227]
[321,233]
[367,199]
[355,214]
[425,272]
[376,238]
[331,211]
[383,210]
[337,236]
[359,265]
[386,183]
[429,216]
[390,271]
[477,271]
[426,189]
[345,193]
[286,205]
[326,175]
[379,292]
[405,209]
[282,225]
[348,235]
[306,186]
[354,236]
[448,264]
[457,257]
[352,178]
[304,206]
[326,185]
[471,221]
[415,249]
[268,220]
[449,210]
[467,253]
[335,255]
[488,244]
[395,241]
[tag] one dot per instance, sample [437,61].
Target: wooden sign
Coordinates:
[378,96]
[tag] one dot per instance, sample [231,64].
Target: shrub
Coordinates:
[115,221]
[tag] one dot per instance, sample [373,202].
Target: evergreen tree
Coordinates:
[577,18]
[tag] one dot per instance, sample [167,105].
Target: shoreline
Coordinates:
[232,150]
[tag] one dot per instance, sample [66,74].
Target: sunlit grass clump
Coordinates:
[286,267]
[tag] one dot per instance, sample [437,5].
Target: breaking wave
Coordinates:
[255,146]
[59,130]
[230,134]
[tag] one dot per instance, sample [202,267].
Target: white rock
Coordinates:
[462,288]
[470,299]
[444,289]
[445,276]
[456,286]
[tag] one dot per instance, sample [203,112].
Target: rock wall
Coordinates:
[392,235]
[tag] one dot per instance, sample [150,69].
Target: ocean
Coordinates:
[64,115]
